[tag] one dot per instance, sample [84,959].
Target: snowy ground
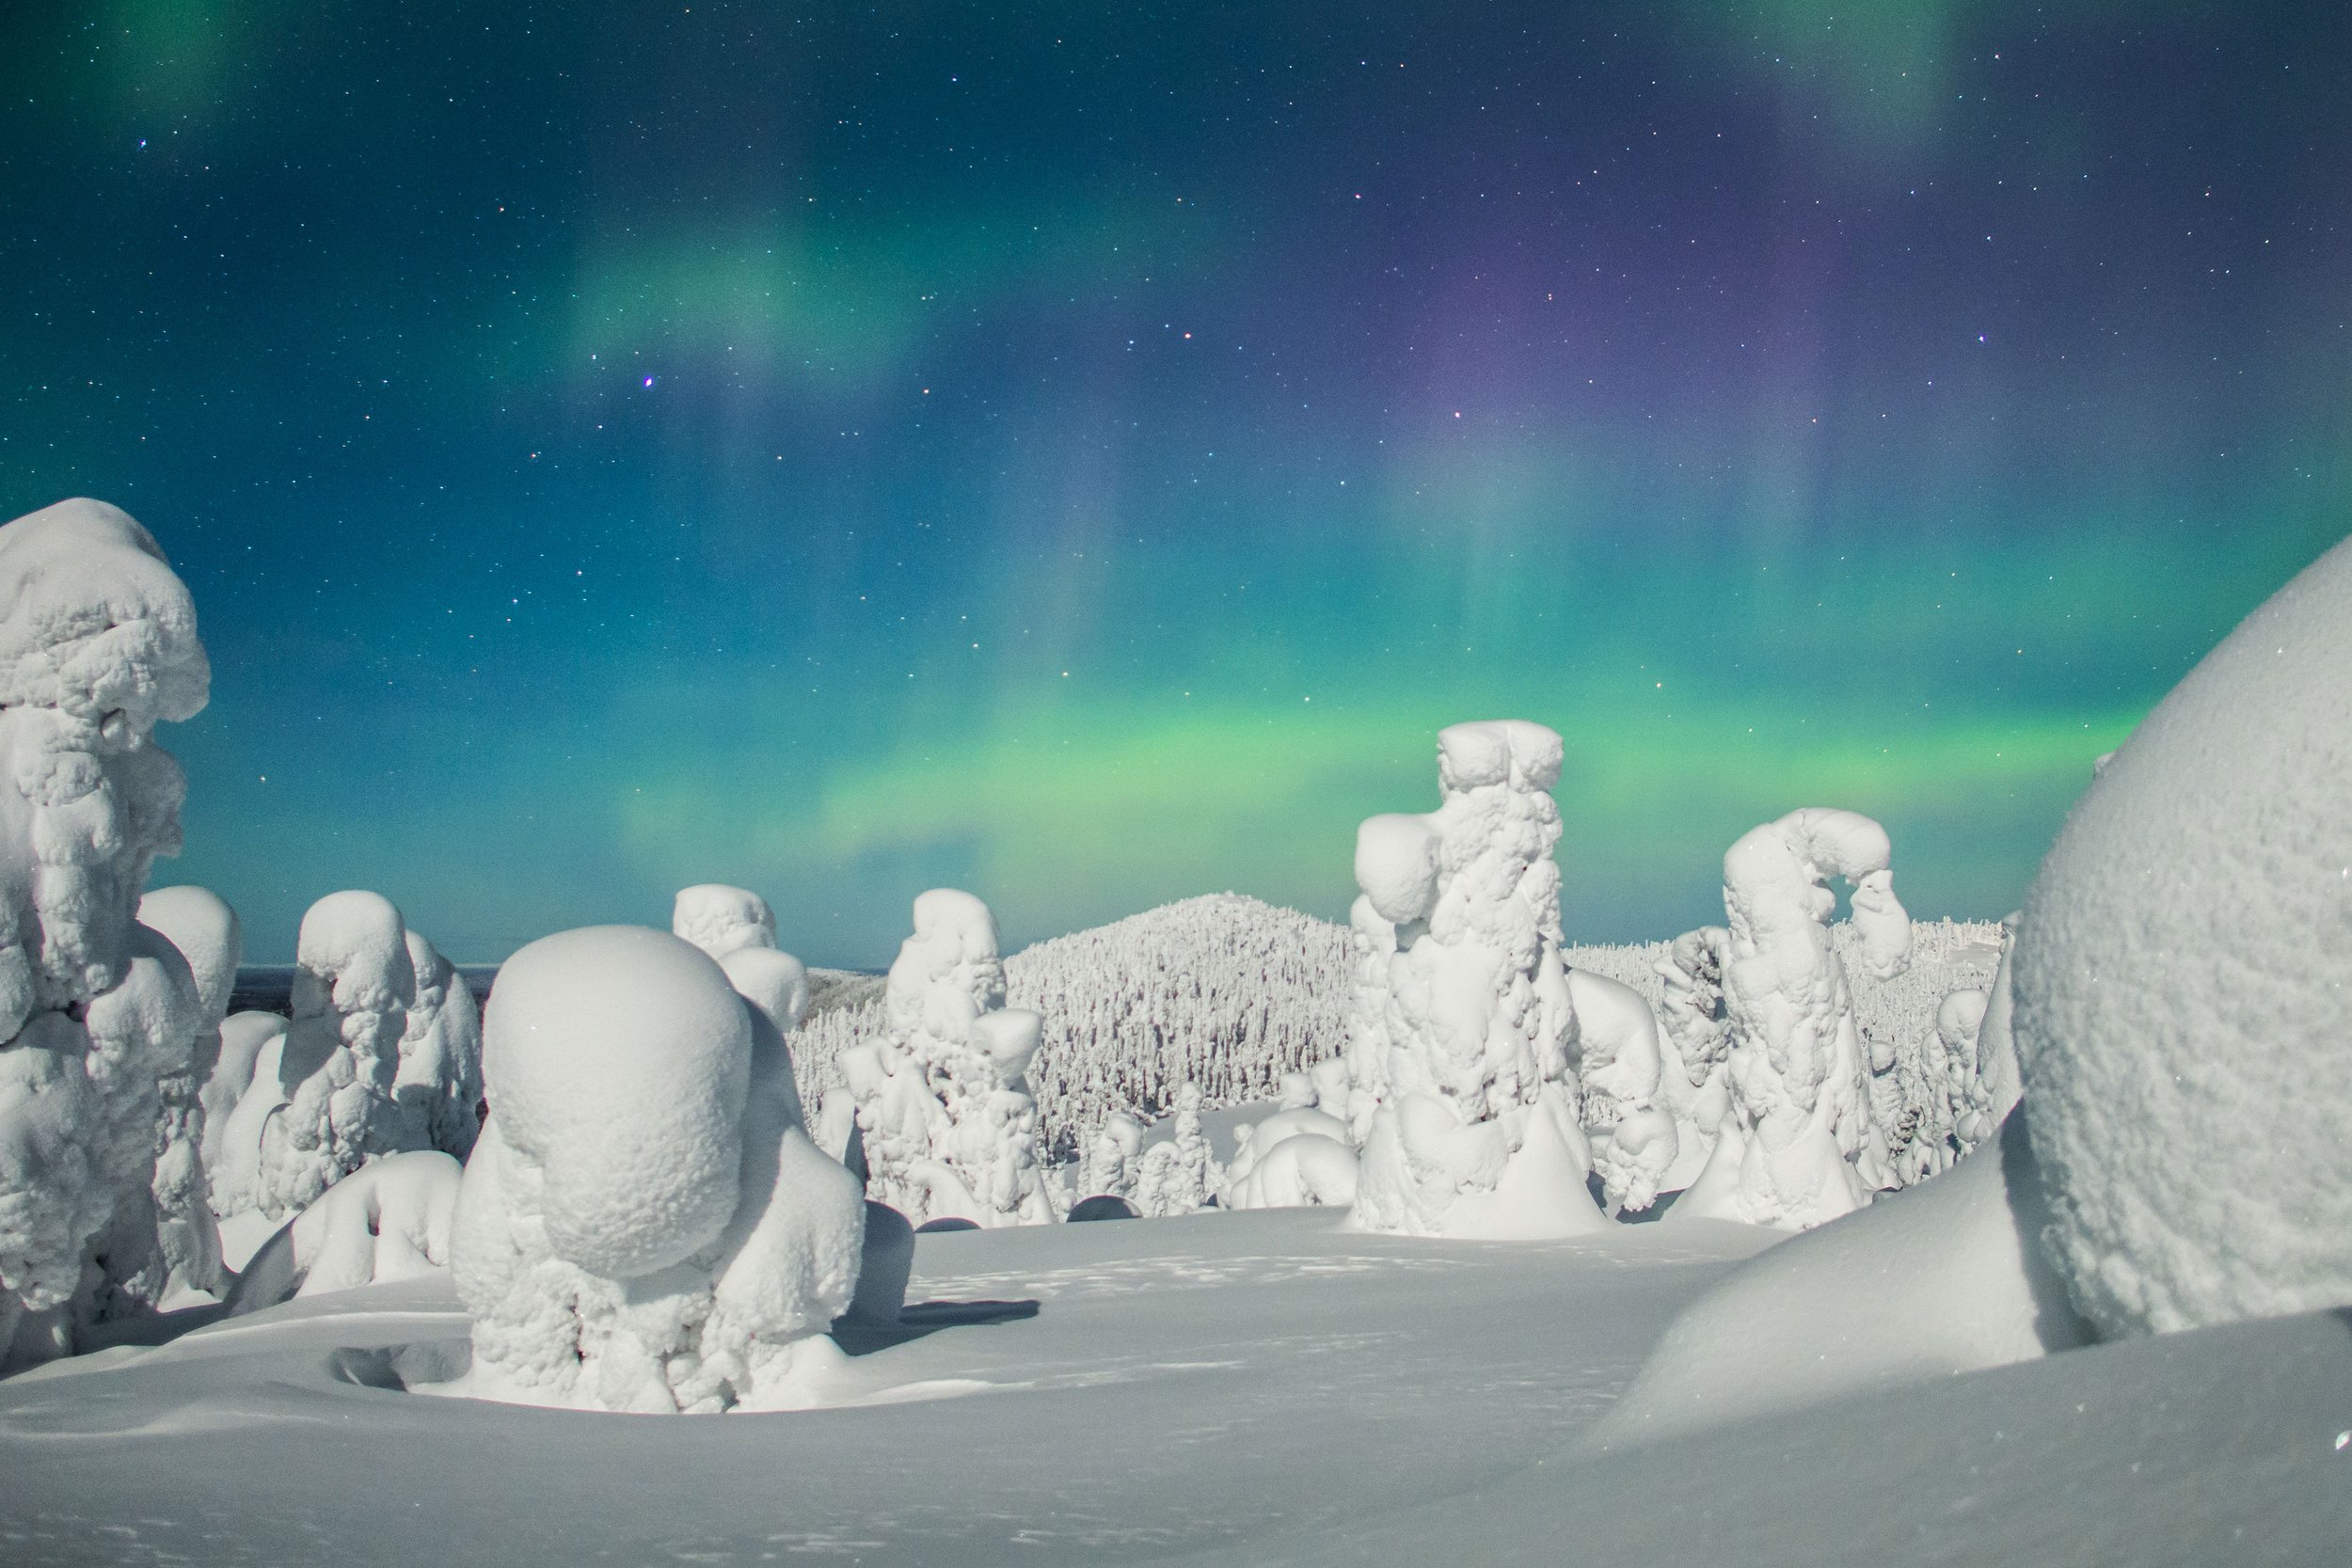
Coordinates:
[1245,1389]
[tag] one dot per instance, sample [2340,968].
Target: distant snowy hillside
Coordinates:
[1222,990]
[1231,993]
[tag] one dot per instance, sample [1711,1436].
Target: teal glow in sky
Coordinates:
[1084,458]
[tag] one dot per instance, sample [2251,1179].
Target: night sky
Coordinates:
[1083,452]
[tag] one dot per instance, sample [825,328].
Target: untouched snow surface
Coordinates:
[1253,1389]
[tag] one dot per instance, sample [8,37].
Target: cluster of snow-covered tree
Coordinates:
[647,1219]
[1233,996]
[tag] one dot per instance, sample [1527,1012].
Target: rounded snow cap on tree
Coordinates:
[1494,751]
[776,982]
[618,1058]
[1396,865]
[720,919]
[92,621]
[200,924]
[2179,988]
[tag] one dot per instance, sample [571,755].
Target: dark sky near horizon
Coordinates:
[1083,452]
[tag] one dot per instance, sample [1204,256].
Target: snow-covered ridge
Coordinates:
[1229,993]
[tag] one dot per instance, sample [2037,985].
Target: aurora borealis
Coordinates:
[1082,454]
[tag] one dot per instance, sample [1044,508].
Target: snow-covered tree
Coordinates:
[98,644]
[204,928]
[1628,1117]
[1799,1147]
[948,1126]
[1178,1175]
[1298,1156]
[438,1083]
[720,919]
[1113,1159]
[381,1056]
[1477,1132]
[644,1225]
[1694,1073]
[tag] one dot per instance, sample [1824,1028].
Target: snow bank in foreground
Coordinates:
[97,645]
[1942,1279]
[644,1225]
[1467,1025]
[2180,988]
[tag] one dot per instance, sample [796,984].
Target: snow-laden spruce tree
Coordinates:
[1922,1092]
[1177,1176]
[1113,1159]
[1477,1132]
[1799,1147]
[644,1225]
[1620,1069]
[372,1063]
[204,928]
[438,1083]
[948,1126]
[720,919]
[98,644]
[353,986]
[1696,1047]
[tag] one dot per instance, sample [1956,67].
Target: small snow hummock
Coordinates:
[947,1123]
[1469,1024]
[98,644]
[644,1225]
[720,919]
[2181,989]
[1299,1156]
[389,1220]
[1798,1146]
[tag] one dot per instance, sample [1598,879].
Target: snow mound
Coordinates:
[2180,988]
[387,1221]
[1944,1279]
